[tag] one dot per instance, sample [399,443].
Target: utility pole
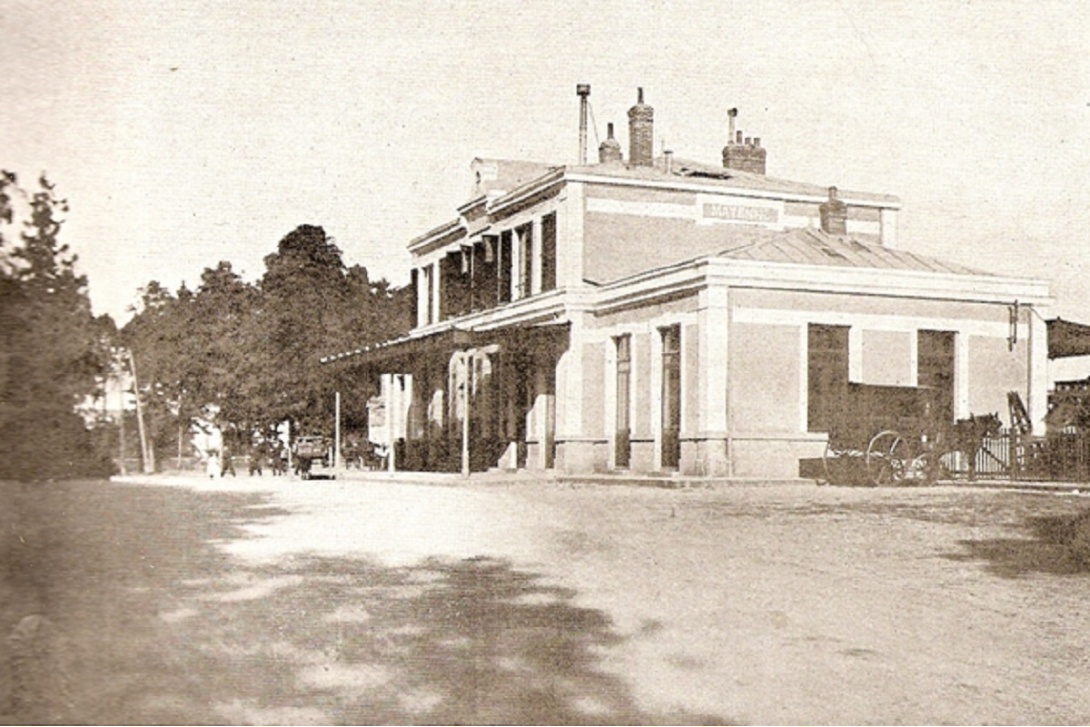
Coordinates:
[147,451]
[337,462]
[121,426]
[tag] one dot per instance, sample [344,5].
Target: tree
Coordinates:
[254,350]
[54,350]
[313,305]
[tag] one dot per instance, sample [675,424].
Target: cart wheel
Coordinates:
[887,455]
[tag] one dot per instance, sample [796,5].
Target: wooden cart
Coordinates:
[884,435]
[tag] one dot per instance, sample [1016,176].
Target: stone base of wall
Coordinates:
[642,457]
[773,458]
[581,456]
[705,458]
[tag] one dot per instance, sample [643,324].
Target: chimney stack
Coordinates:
[610,149]
[834,214]
[582,90]
[743,153]
[641,118]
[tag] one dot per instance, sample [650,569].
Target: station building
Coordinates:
[651,314]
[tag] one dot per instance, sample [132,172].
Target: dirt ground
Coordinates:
[272,601]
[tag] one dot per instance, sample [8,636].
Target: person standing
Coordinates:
[213,465]
[228,465]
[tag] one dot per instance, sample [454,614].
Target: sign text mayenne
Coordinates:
[740,213]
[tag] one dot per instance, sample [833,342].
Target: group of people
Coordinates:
[267,453]
[273,455]
[261,454]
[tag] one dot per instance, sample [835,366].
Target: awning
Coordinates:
[524,338]
[1066,339]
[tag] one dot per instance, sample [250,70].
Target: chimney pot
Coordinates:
[641,137]
[743,153]
[610,149]
[834,214]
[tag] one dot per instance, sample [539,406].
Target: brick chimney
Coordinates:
[834,215]
[744,155]
[641,118]
[610,149]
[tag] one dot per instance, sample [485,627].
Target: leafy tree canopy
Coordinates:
[53,351]
[254,350]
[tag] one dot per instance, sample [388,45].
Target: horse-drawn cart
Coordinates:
[898,435]
[883,435]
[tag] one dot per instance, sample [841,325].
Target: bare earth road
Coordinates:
[276,601]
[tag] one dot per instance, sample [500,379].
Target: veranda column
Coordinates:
[1037,385]
[535,257]
[573,451]
[713,319]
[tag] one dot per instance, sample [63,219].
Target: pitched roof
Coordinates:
[809,246]
[626,245]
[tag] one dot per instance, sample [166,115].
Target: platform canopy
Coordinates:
[524,338]
[1067,339]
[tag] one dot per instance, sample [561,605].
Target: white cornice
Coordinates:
[679,186]
[551,305]
[438,236]
[692,275]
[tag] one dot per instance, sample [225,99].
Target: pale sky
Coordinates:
[185,133]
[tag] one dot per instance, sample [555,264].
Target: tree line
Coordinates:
[244,354]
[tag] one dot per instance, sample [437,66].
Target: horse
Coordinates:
[968,435]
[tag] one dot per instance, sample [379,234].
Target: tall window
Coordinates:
[671,396]
[622,440]
[486,263]
[429,295]
[548,251]
[935,368]
[525,235]
[504,261]
[827,374]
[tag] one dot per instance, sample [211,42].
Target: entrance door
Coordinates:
[622,446]
[523,401]
[671,397]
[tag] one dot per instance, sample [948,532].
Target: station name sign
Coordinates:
[738,212]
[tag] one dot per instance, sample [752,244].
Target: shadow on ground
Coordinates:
[1056,545]
[123,610]
[465,642]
